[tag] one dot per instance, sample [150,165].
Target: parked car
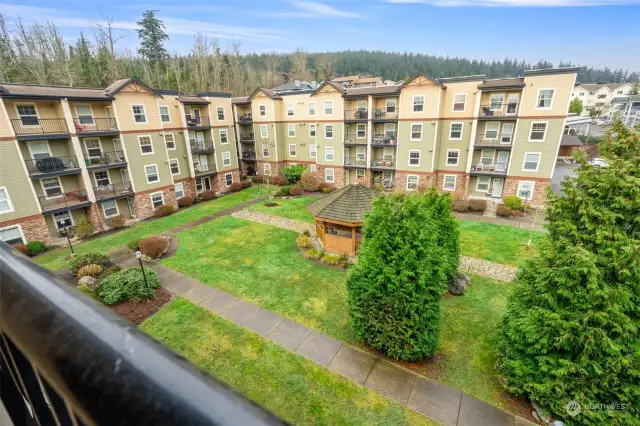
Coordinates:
[601,162]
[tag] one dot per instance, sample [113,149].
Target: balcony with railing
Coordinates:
[355,162]
[389,139]
[385,114]
[106,160]
[202,147]
[33,128]
[355,138]
[488,169]
[245,118]
[503,141]
[113,191]
[89,126]
[200,122]
[53,166]
[69,199]
[205,169]
[382,164]
[247,138]
[356,114]
[498,111]
[249,156]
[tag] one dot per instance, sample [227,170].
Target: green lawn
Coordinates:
[292,387]
[292,208]
[55,258]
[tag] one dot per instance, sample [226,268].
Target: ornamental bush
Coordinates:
[571,331]
[22,248]
[152,247]
[293,173]
[128,284]
[296,191]
[36,247]
[235,186]
[83,227]
[185,201]
[503,211]
[116,222]
[513,202]
[246,184]
[92,257]
[310,181]
[92,270]
[163,211]
[410,251]
[208,195]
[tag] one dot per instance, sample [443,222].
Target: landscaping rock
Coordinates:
[458,286]
[90,282]
[490,212]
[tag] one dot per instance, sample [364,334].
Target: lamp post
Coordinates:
[66,233]
[139,257]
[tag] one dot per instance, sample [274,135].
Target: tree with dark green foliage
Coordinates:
[409,253]
[571,331]
[152,35]
[575,106]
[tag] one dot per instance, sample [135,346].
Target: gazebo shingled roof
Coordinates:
[348,204]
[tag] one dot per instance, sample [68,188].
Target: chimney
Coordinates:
[297,82]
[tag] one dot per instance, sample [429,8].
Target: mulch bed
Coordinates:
[136,312]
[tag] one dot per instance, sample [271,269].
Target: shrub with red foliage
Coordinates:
[296,191]
[503,211]
[185,201]
[235,186]
[310,181]
[163,211]
[245,184]
[116,222]
[323,185]
[21,248]
[329,189]
[478,205]
[279,180]
[153,246]
[208,195]
[461,206]
[258,179]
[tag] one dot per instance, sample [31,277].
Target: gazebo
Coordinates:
[339,216]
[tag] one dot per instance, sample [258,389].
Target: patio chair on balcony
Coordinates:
[361,114]
[486,111]
[378,113]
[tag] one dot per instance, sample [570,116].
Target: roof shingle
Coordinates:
[348,204]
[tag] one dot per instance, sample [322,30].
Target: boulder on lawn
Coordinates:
[458,286]
[90,282]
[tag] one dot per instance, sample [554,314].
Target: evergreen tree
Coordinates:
[152,36]
[575,106]
[409,253]
[572,326]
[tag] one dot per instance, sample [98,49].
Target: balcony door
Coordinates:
[502,161]
[93,147]
[507,134]
[496,188]
[195,115]
[39,150]
[512,103]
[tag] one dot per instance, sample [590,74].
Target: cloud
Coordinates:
[309,9]
[517,3]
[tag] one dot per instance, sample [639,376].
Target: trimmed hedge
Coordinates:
[185,201]
[152,247]
[513,202]
[163,211]
[477,205]
[296,191]
[208,195]
[36,247]
[235,186]
[246,184]
[22,249]
[128,284]
[503,211]
[116,222]
[461,206]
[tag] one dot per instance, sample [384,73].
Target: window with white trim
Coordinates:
[538,131]
[11,235]
[266,168]
[455,131]
[102,178]
[174,166]
[390,130]
[264,132]
[151,171]
[52,187]
[360,173]
[165,117]
[453,157]
[328,131]
[146,145]
[525,189]
[328,153]
[63,219]
[84,114]
[220,113]
[170,141]
[531,161]
[109,208]
[313,151]
[491,130]
[416,131]
[486,156]
[262,110]
[139,114]
[361,130]
[312,130]
[545,98]
[414,158]
[157,199]
[28,114]
[482,184]
[224,136]
[290,110]
[291,130]
[449,183]
[312,108]
[226,158]
[459,102]
[387,153]
[228,179]
[292,150]
[5,201]
[329,175]
[313,168]
[418,103]
[265,150]
[40,150]
[412,182]
[391,105]
[495,101]
[179,190]
[94,149]
[328,107]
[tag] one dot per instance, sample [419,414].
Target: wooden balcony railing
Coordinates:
[112,190]
[65,199]
[201,169]
[90,124]
[52,164]
[201,146]
[355,114]
[201,121]
[39,126]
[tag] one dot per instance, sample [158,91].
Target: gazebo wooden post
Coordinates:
[353,240]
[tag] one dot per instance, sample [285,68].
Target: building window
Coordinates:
[361,131]
[531,161]
[169,141]
[525,189]
[482,185]
[387,153]
[292,150]
[486,157]
[146,145]
[226,158]
[228,179]
[328,107]
[174,166]
[581,94]
[165,117]
[94,149]
[313,151]
[455,131]
[262,110]
[449,183]
[110,208]
[5,201]
[267,169]
[328,153]
[619,92]
[152,173]
[290,110]
[224,137]
[264,132]
[416,131]
[495,101]
[139,115]
[179,190]
[157,199]
[491,131]
[102,178]
[52,187]
[312,108]
[11,235]
[545,98]
[391,105]
[312,130]
[453,156]
[63,219]
[329,175]
[360,173]
[84,114]
[28,114]
[414,158]
[418,103]
[602,96]
[313,168]
[291,128]
[220,113]
[198,185]
[459,102]
[265,150]
[328,131]
[538,131]
[412,182]
[390,130]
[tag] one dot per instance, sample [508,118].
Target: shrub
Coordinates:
[293,173]
[411,242]
[152,247]
[378,187]
[303,242]
[313,254]
[116,222]
[503,211]
[461,206]
[128,284]
[83,227]
[246,184]
[478,205]
[330,259]
[258,179]
[196,199]
[329,189]
[344,260]
[92,257]
[109,271]
[235,186]
[323,185]
[22,248]
[296,191]
[208,195]
[36,247]
[163,211]
[185,201]
[279,194]
[310,181]
[280,181]
[285,189]
[513,202]
[134,244]
[91,270]
[306,233]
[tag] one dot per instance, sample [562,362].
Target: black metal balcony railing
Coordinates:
[112,190]
[39,126]
[201,121]
[355,114]
[201,147]
[498,140]
[208,168]
[355,162]
[245,118]
[489,167]
[247,138]
[384,139]
[105,159]
[383,164]
[248,155]
[498,110]
[65,199]
[355,138]
[56,370]
[86,124]
[383,114]
[52,164]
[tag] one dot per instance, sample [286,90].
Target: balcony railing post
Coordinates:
[38,126]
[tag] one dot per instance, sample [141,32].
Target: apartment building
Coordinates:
[124,150]
[598,96]
[474,137]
